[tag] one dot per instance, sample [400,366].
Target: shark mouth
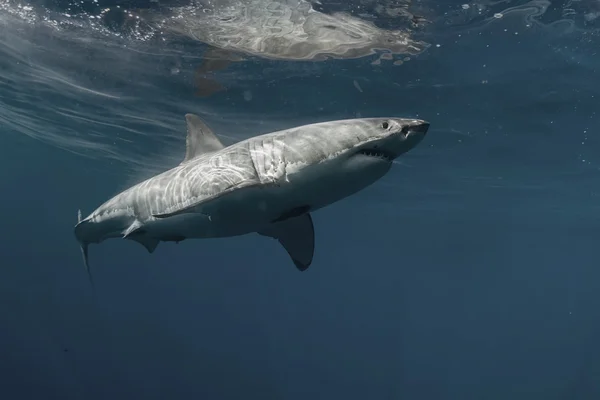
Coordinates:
[377,153]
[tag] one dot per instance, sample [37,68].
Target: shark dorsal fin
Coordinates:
[200,138]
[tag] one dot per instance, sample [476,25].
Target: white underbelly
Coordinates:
[310,188]
[323,184]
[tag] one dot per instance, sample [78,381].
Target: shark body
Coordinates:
[268,184]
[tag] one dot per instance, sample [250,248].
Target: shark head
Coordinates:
[342,145]
[387,138]
[328,161]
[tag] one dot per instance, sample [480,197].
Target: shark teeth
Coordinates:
[376,153]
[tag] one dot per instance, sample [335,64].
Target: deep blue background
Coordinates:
[469,272]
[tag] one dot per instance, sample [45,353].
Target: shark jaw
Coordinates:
[403,136]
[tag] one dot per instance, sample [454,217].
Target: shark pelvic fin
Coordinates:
[133,228]
[297,236]
[200,138]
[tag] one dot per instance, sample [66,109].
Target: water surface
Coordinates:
[468,272]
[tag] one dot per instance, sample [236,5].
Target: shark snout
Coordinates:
[408,134]
[419,127]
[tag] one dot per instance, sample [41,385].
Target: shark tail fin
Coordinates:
[84,253]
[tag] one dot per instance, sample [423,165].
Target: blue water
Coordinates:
[468,272]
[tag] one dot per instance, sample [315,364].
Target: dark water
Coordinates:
[469,272]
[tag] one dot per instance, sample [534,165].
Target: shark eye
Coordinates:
[385,125]
[404,130]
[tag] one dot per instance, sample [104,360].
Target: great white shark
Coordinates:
[268,184]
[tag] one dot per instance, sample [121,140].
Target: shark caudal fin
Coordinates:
[84,253]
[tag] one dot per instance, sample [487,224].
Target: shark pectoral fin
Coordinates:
[200,138]
[297,236]
[148,242]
